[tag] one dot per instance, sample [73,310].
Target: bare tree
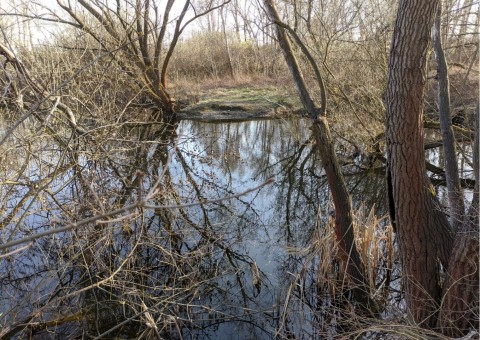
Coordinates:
[343,209]
[226,43]
[137,31]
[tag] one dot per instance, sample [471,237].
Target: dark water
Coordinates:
[231,269]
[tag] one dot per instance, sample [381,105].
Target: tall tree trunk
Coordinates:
[455,193]
[236,20]
[343,210]
[227,45]
[422,230]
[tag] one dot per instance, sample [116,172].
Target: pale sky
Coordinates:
[43,30]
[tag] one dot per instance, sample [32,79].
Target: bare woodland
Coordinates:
[115,223]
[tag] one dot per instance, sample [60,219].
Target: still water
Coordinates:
[237,268]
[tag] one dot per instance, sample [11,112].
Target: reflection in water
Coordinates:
[222,269]
[435,160]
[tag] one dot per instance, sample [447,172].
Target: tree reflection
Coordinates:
[212,269]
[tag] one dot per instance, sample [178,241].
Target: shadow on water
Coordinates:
[222,269]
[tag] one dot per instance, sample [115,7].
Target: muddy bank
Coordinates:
[235,115]
[238,104]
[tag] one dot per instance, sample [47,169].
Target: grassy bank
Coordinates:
[236,100]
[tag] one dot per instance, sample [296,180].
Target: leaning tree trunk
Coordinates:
[422,230]
[454,189]
[343,210]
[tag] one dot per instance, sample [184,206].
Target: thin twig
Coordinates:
[16,250]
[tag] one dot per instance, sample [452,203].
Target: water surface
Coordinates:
[228,269]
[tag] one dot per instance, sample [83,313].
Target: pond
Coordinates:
[211,259]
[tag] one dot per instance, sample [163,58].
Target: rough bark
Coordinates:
[459,312]
[460,307]
[343,210]
[454,188]
[422,230]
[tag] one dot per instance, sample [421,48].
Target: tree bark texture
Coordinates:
[343,210]
[460,305]
[454,188]
[422,230]
[459,312]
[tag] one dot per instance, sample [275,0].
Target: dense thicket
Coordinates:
[106,209]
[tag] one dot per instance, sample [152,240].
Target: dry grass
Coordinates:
[335,312]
